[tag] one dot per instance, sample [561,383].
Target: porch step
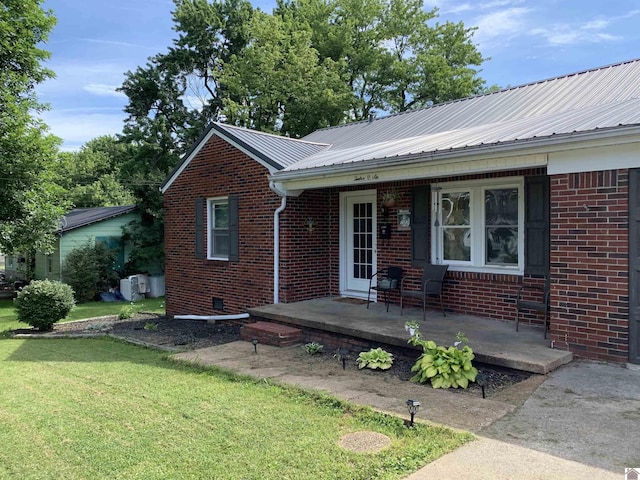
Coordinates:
[271,334]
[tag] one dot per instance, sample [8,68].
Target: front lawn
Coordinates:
[98,408]
[81,311]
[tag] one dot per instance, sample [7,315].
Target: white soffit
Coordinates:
[594,159]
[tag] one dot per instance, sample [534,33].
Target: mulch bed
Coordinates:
[170,334]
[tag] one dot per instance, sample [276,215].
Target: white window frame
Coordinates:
[477,190]
[211,203]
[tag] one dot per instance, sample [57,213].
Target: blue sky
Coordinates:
[95,43]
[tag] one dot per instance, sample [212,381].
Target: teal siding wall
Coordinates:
[78,238]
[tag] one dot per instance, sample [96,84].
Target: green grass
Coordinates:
[84,310]
[98,408]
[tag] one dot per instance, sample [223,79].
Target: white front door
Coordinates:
[357,241]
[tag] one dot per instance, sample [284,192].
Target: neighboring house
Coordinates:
[540,179]
[87,225]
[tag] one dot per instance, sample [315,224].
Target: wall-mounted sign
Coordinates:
[366,177]
[404,219]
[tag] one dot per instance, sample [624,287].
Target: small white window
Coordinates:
[218,228]
[479,225]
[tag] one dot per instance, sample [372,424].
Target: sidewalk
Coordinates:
[580,421]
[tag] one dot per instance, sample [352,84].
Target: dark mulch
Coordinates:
[193,334]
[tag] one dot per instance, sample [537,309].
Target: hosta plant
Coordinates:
[444,367]
[313,347]
[376,358]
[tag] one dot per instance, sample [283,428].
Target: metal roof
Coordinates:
[575,92]
[273,151]
[282,151]
[81,217]
[599,117]
[592,101]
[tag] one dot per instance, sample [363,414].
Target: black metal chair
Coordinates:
[385,280]
[431,284]
[537,301]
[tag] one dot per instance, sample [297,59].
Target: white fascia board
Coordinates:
[497,157]
[592,159]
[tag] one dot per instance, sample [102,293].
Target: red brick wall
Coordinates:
[218,170]
[306,269]
[589,264]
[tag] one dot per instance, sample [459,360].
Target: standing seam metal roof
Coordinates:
[554,96]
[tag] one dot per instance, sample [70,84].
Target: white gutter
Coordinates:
[276,241]
[238,316]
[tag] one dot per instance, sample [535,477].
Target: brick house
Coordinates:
[540,180]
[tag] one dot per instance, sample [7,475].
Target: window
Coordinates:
[218,228]
[479,225]
[49,264]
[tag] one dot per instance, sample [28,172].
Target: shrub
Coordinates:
[375,358]
[44,302]
[129,311]
[89,271]
[313,347]
[444,367]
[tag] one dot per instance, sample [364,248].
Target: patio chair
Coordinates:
[385,281]
[431,284]
[537,301]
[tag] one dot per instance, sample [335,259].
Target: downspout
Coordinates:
[212,318]
[276,240]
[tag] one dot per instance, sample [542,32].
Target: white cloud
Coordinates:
[502,23]
[576,33]
[104,90]
[78,126]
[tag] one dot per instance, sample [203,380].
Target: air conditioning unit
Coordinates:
[130,288]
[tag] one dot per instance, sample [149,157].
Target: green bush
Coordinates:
[444,367]
[89,271]
[44,302]
[313,347]
[375,358]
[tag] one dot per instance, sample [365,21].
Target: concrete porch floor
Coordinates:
[494,342]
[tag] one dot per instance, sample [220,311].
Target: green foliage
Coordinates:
[376,358]
[313,347]
[30,202]
[146,238]
[44,302]
[91,177]
[309,64]
[444,367]
[129,311]
[150,326]
[90,270]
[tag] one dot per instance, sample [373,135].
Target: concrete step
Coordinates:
[273,334]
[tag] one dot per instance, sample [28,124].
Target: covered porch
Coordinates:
[494,342]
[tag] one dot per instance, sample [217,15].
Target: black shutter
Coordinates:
[234,220]
[420,207]
[199,223]
[536,225]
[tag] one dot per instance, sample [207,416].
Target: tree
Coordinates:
[91,177]
[30,202]
[278,84]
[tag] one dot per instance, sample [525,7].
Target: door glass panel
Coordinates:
[362,240]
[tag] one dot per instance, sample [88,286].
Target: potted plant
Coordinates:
[389,198]
[411,327]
